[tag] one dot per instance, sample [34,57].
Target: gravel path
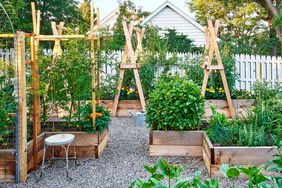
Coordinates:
[120,164]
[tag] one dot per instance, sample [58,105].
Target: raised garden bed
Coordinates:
[240,106]
[215,156]
[176,143]
[87,145]
[7,165]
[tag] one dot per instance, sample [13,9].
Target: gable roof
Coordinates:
[112,14]
[176,9]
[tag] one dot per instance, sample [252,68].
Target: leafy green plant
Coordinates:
[255,175]
[163,171]
[7,105]
[219,130]
[175,104]
[103,118]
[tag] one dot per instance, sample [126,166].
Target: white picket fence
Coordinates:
[250,68]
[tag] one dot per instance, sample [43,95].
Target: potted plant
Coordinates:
[174,112]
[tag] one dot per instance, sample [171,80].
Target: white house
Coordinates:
[167,16]
[110,20]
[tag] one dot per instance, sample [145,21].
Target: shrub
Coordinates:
[175,104]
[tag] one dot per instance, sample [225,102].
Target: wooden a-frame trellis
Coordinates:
[211,47]
[132,56]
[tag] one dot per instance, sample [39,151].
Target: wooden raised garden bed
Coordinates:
[240,106]
[215,156]
[176,143]
[7,165]
[87,145]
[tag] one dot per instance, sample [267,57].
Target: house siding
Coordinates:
[170,19]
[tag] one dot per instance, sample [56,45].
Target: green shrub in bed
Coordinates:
[175,104]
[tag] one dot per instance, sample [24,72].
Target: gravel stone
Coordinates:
[121,163]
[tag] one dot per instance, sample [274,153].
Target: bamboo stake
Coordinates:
[99,58]
[92,56]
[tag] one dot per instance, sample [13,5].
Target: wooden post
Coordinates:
[92,57]
[34,46]
[129,53]
[212,47]
[57,30]
[22,117]
[99,58]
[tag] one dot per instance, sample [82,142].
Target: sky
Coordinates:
[107,6]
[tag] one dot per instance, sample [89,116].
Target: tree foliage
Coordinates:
[242,21]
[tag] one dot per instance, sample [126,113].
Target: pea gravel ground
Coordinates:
[120,164]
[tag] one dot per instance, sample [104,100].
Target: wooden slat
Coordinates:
[243,155]
[186,138]
[170,150]
[100,148]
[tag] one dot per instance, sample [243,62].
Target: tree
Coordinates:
[51,10]
[242,21]
[273,9]
[127,12]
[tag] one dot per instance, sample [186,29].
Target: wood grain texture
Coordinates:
[185,138]
[173,150]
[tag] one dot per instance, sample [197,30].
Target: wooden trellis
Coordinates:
[211,47]
[35,38]
[132,56]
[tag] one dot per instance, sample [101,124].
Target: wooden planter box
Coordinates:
[214,157]
[87,145]
[240,106]
[176,143]
[7,165]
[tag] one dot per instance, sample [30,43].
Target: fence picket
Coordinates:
[247,66]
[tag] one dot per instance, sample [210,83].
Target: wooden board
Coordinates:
[100,147]
[7,165]
[207,153]
[243,155]
[174,150]
[185,138]
[175,143]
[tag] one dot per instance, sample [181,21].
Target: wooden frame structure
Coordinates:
[132,56]
[35,38]
[211,47]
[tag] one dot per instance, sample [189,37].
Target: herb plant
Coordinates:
[219,130]
[175,104]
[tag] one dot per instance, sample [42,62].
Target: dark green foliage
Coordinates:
[175,104]
[260,127]
[7,105]
[172,173]
[51,10]
[215,90]
[219,130]
[66,81]
[103,118]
